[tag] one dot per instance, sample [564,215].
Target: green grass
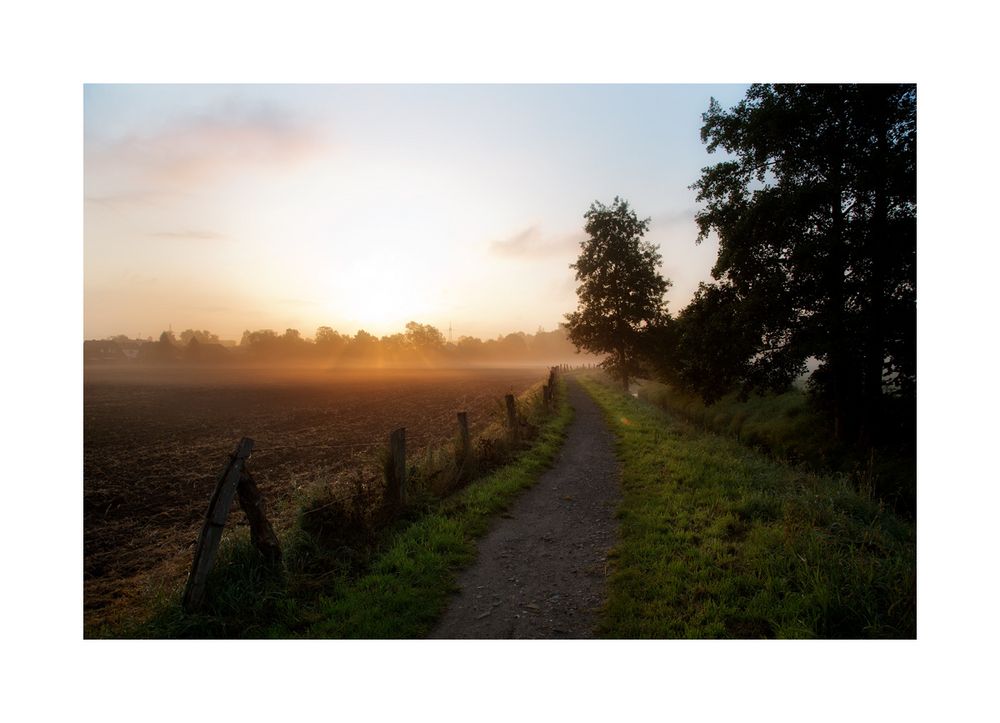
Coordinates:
[719,540]
[788,426]
[396,588]
[407,589]
[784,424]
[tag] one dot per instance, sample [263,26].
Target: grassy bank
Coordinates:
[365,580]
[790,428]
[720,540]
[784,424]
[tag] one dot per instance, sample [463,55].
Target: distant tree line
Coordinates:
[814,208]
[418,345]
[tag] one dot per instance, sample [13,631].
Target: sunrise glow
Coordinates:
[363,207]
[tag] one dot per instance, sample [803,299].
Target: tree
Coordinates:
[707,348]
[363,347]
[204,336]
[291,345]
[620,294]
[329,342]
[424,338]
[260,343]
[469,348]
[815,211]
[161,351]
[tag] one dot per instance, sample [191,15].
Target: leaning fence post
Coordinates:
[261,533]
[511,418]
[463,431]
[397,448]
[545,395]
[215,520]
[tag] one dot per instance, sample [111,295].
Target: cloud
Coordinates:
[231,139]
[113,200]
[190,235]
[683,217]
[530,242]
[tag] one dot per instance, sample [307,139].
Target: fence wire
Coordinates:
[475,408]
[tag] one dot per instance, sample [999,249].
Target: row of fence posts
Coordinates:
[236,481]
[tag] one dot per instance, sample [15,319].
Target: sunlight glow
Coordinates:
[245,207]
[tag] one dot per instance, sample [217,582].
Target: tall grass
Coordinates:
[784,424]
[720,540]
[789,427]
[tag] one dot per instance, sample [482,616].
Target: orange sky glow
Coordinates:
[246,207]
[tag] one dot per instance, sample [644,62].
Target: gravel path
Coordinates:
[541,570]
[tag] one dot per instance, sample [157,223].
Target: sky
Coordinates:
[233,207]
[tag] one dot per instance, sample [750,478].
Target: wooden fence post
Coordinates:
[397,447]
[215,520]
[545,395]
[463,431]
[511,418]
[261,533]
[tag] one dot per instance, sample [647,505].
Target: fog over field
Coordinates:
[420,346]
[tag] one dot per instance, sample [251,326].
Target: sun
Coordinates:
[378,299]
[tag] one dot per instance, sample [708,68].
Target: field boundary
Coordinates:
[257,602]
[409,586]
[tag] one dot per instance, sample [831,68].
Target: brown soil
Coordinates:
[541,571]
[156,440]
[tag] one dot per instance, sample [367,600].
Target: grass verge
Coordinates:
[398,588]
[784,424]
[788,426]
[718,540]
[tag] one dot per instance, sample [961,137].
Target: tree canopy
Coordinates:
[815,213]
[620,294]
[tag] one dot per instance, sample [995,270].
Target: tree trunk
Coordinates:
[876,242]
[836,353]
[623,368]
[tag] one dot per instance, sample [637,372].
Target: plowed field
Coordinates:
[155,442]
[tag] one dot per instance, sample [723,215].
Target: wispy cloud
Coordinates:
[232,139]
[682,217]
[116,199]
[531,243]
[190,235]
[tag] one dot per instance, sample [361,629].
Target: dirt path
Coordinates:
[541,570]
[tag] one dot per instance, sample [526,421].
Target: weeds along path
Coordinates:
[541,571]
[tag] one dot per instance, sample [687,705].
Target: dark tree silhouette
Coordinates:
[708,347]
[419,345]
[424,338]
[815,210]
[329,343]
[204,336]
[620,296]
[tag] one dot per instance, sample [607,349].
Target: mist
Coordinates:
[417,346]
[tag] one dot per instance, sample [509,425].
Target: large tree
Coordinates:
[815,212]
[620,294]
